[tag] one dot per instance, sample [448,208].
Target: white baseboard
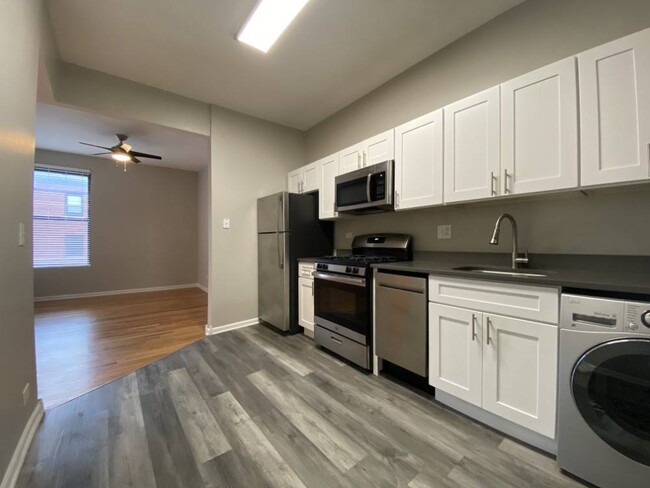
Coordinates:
[116,292]
[18,458]
[204,288]
[212,330]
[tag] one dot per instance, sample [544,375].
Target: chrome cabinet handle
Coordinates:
[489,324]
[396,199]
[368,181]
[358,160]
[364,159]
[493,192]
[474,336]
[505,181]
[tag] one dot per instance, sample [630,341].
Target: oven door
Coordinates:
[341,304]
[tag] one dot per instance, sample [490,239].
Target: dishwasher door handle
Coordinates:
[400,288]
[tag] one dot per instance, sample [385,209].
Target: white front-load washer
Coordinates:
[604,391]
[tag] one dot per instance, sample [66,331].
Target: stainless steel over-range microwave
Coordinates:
[366,190]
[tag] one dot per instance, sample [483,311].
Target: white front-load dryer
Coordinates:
[604,391]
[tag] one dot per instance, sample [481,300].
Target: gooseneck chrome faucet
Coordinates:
[516,260]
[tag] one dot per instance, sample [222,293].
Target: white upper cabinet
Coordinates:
[539,130]
[418,162]
[374,150]
[310,178]
[295,181]
[379,148]
[615,111]
[350,158]
[520,372]
[303,180]
[472,153]
[328,170]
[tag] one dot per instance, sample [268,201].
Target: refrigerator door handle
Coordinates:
[281,250]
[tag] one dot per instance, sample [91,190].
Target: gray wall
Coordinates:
[203,260]
[250,159]
[19,40]
[529,36]
[143,229]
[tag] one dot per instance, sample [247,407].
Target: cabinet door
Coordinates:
[455,351]
[520,372]
[328,169]
[615,111]
[350,158]
[418,162]
[472,147]
[295,181]
[539,130]
[310,178]
[306,303]
[379,148]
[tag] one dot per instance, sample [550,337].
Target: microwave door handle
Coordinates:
[368,181]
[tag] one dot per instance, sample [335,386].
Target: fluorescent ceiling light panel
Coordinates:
[268,21]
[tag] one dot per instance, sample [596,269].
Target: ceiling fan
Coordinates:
[122,151]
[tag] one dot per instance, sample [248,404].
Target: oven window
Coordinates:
[352,192]
[342,303]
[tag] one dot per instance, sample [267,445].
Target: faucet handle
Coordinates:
[523,260]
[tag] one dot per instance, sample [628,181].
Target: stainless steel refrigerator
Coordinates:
[288,229]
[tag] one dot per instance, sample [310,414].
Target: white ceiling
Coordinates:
[334,52]
[61,128]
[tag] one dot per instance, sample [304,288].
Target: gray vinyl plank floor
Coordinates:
[251,408]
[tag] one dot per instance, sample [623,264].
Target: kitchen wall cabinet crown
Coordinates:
[418,162]
[615,111]
[539,130]
[472,147]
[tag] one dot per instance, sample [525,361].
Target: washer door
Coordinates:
[611,388]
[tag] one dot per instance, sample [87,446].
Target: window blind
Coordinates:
[61,217]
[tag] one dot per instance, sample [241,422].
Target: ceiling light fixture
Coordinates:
[268,21]
[118,156]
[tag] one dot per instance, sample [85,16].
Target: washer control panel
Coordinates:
[593,314]
[637,317]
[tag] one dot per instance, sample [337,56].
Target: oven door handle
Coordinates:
[368,180]
[348,280]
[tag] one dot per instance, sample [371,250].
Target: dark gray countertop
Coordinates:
[620,274]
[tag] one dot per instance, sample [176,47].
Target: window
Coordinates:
[61,217]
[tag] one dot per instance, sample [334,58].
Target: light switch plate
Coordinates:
[21,234]
[226,223]
[444,231]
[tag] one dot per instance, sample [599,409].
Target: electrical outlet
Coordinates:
[226,223]
[444,231]
[348,235]
[26,394]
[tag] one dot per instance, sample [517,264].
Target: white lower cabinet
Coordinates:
[505,365]
[306,297]
[520,372]
[456,352]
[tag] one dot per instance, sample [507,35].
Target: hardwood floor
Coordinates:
[250,408]
[85,343]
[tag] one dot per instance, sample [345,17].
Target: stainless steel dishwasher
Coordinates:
[401,320]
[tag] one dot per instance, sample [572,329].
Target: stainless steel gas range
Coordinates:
[343,294]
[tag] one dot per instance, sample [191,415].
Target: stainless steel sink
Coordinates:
[524,273]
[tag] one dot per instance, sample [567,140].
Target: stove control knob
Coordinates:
[645,318]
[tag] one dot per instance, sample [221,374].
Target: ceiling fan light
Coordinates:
[268,21]
[120,156]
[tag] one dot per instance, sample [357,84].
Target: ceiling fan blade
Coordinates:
[95,145]
[101,154]
[134,159]
[144,155]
